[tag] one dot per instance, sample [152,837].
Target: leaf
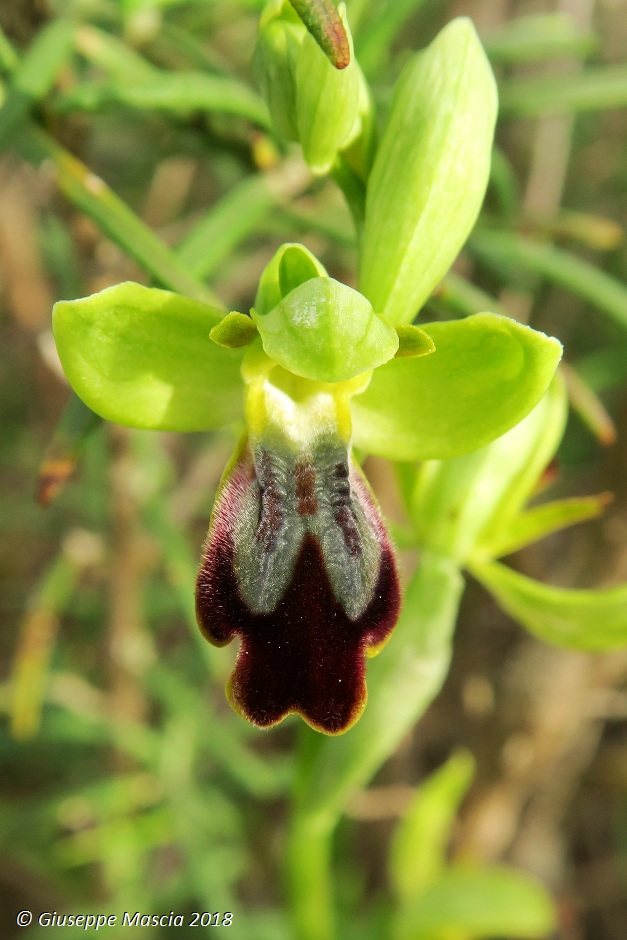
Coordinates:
[382,24]
[537,37]
[587,404]
[34,76]
[430,173]
[559,266]
[143,357]
[486,374]
[237,215]
[576,619]
[480,903]
[325,331]
[176,93]
[111,214]
[595,89]
[418,852]
[35,643]
[464,297]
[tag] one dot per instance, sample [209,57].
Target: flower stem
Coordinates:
[354,192]
[309,877]
[402,684]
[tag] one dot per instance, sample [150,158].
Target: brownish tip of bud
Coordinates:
[325,24]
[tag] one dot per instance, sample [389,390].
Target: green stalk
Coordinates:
[308,858]
[402,684]
[354,192]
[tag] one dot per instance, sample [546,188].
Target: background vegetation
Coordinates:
[127,782]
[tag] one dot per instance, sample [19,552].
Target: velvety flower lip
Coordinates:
[306,654]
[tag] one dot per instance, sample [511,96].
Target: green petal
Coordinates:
[577,619]
[326,331]
[233,331]
[482,902]
[143,357]
[430,173]
[413,342]
[486,374]
[290,266]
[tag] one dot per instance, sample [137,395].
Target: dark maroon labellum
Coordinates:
[299,565]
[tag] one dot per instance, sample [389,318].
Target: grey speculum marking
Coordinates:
[292,496]
[272,495]
[344,514]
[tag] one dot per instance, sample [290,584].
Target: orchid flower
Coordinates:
[298,562]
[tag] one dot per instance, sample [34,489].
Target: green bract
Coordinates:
[460,506]
[487,373]
[326,331]
[276,53]
[143,357]
[577,619]
[430,173]
[328,104]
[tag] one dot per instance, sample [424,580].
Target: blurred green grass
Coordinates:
[126,779]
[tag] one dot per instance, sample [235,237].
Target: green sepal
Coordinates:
[291,265]
[34,76]
[576,619]
[143,357]
[326,331]
[430,172]
[234,331]
[487,373]
[413,342]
